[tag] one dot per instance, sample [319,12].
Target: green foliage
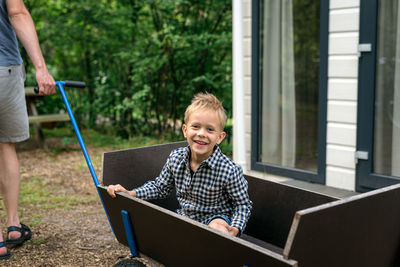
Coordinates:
[103,139]
[142,60]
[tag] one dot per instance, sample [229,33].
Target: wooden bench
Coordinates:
[288,226]
[36,119]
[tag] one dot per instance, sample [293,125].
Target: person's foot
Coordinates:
[17,235]
[14,235]
[3,250]
[4,253]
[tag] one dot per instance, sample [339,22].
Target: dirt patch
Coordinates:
[76,234]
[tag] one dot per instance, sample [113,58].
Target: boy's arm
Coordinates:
[237,189]
[112,189]
[159,187]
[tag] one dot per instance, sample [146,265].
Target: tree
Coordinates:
[142,60]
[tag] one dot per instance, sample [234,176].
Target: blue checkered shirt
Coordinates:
[216,188]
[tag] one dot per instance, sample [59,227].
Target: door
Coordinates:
[378,123]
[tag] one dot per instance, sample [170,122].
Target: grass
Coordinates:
[35,191]
[37,194]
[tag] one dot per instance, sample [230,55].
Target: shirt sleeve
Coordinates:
[237,190]
[160,187]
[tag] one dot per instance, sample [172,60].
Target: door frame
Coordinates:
[365,178]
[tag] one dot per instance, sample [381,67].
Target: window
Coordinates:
[387,91]
[378,122]
[288,87]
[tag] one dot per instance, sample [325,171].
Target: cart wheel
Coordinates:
[129,263]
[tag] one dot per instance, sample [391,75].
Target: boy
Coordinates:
[210,187]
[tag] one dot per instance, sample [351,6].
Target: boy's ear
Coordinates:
[184,128]
[221,137]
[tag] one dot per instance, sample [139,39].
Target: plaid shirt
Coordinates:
[216,188]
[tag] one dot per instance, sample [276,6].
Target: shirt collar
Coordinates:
[211,161]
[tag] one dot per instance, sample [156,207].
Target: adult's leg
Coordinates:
[9,184]
[14,127]
[9,187]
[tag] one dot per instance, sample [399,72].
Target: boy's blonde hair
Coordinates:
[206,101]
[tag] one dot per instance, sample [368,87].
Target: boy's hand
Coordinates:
[233,230]
[221,225]
[112,189]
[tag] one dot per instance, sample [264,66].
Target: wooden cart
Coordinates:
[288,226]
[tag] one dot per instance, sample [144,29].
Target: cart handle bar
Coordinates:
[60,85]
[74,84]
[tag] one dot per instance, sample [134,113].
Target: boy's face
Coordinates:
[202,132]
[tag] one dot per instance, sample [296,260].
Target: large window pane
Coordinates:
[387,91]
[289,75]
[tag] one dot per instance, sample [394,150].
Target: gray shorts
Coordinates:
[14,125]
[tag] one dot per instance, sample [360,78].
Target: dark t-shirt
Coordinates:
[9,51]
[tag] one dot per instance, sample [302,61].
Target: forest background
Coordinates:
[142,61]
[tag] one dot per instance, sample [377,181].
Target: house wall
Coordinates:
[342,93]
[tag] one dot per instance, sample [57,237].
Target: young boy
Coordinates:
[210,187]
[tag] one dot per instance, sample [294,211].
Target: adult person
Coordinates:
[16,22]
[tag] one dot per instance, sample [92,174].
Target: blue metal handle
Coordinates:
[60,85]
[129,233]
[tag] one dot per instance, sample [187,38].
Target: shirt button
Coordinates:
[187,188]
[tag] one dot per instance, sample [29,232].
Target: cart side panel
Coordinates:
[133,167]
[175,240]
[274,206]
[358,231]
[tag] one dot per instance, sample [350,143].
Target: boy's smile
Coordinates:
[202,132]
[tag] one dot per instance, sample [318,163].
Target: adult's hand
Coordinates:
[45,82]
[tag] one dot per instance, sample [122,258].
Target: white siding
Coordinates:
[342,89]
[340,156]
[344,20]
[340,4]
[342,112]
[247,66]
[247,79]
[343,66]
[341,134]
[343,43]
[342,93]
[340,177]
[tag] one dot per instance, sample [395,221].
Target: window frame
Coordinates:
[319,176]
